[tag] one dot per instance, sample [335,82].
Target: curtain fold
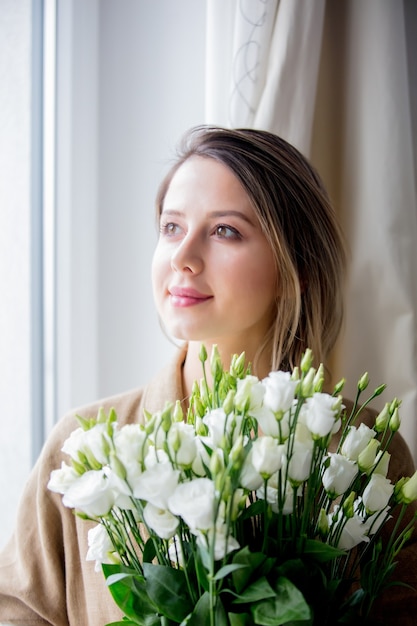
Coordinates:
[337,80]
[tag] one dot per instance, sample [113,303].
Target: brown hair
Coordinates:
[299,222]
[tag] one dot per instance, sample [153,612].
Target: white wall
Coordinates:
[136,83]
[15,250]
[130,78]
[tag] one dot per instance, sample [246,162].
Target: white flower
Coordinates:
[353,533]
[271,424]
[272,496]
[339,475]
[319,414]
[223,543]
[88,442]
[100,547]
[249,393]
[156,484]
[377,493]
[92,493]
[249,478]
[220,424]
[175,552]
[356,441]
[299,465]
[62,479]
[182,443]
[279,391]
[131,447]
[161,521]
[267,456]
[194,502]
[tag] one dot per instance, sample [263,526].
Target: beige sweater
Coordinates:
[44,576]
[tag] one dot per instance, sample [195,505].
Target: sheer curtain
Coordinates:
[337,80]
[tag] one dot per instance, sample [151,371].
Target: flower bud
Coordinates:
[117,466]
[382,463]
[323,524]
[306,361]
[178,415]
[366,459]
[408,490]
[382,419]
[339,386]
[216,364]
[203,353]
[348,505]
[395,404]
[166,418]
[228,403]
[395,421]
[380,390]
[363,382]
[295,373]
[216,463]
[237,365]
[318,381]
[307,384]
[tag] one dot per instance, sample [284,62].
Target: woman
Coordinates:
[249,257]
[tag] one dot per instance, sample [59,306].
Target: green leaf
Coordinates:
[317,550]
[201,613]
[240,619]
[258,590]
[128,589]
[252,562]
[149,551]
[201,571]
[288,605]
[227,569]
[167,588]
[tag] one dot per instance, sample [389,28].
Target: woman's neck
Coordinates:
[192,369]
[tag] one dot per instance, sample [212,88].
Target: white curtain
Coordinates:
[338,80]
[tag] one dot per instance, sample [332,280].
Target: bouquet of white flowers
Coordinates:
[240,514]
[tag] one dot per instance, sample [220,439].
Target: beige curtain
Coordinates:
[337,78]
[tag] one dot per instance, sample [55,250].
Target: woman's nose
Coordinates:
[187,257]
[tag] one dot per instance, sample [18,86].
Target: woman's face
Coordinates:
[214,277]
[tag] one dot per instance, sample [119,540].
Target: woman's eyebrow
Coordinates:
[211,214]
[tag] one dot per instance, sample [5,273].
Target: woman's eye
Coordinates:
[169,228]
[227,232]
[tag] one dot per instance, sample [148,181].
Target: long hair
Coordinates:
[299,223]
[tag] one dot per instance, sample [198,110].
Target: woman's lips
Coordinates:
[185,296]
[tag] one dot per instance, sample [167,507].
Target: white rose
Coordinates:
[377,493]
[249,392]
[338,477]
[319,414]
[92,493]
[100,547]
[267,455]
[62,479]
[194,502]
[156,484]
[223,543]
[182,443]
[356,441]
[161,521]
[279,391]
